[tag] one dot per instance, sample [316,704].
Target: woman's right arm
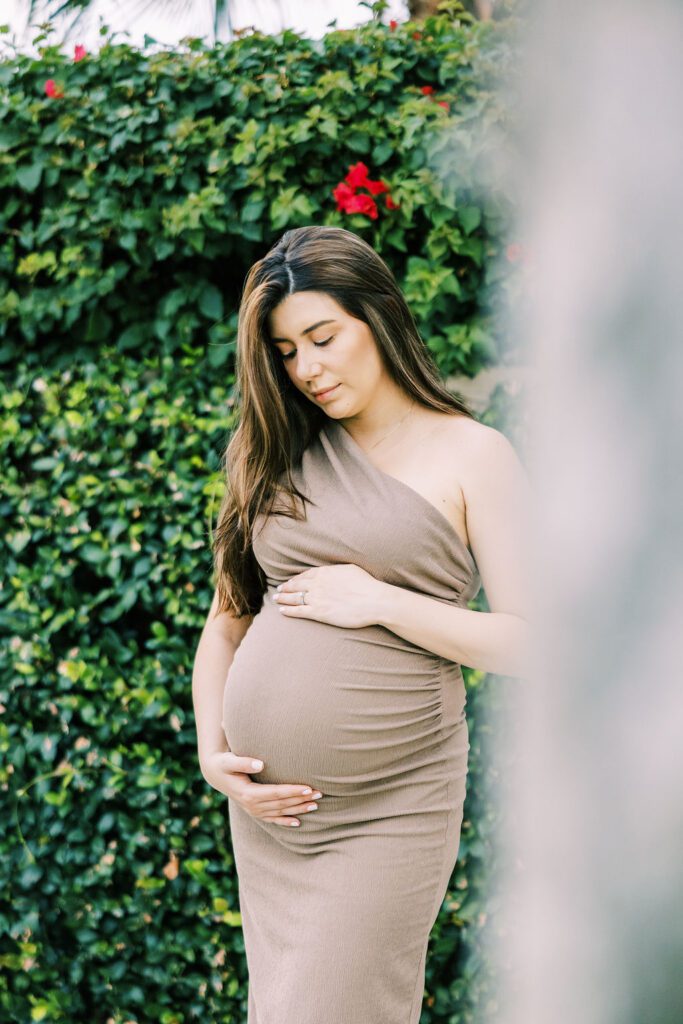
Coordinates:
[227,772]
[219,640]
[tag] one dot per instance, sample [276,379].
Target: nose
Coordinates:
[306,370]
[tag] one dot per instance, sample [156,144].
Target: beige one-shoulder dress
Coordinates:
[337,912]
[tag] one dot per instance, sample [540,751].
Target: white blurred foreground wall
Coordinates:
[592,927]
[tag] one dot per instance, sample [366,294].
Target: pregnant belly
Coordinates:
[340,709]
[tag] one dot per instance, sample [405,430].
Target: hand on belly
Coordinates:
[275,803]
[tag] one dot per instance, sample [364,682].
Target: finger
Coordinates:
[293,605]
[283,804]
[238,763]
[287,803]
[282,791]
[288,822]
[294,807]
[290,597]
[294,581]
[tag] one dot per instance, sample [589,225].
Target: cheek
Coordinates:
[362,359]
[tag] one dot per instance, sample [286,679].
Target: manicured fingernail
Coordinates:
[257,764]
[304,792]
[295,823]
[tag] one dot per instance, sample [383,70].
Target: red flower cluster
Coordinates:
[349,200]
[393,25]
[55,91]
[428,90]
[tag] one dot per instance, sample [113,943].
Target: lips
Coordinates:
[327,391]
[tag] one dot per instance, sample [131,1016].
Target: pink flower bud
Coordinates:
[52,89]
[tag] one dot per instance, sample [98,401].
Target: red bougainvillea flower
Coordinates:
[427,89]
[52,89]
[393,25]
[362,204]
[79,53]
[357,176]
[445,104]
[349,200]
[417,35]
[376,187]
[342,193]
[514,252]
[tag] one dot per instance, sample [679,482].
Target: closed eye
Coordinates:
[318,344]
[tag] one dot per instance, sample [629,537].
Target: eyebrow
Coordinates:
[308,329]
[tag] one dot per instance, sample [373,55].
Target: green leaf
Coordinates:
[29,176]
[148,779]
[211,302]
[131,337]
[91,553]
[73,669]
[470,218]
[9,135]
[218,355]
[18,541]
[382,151]
[124,604]
[252,210]
[98,325]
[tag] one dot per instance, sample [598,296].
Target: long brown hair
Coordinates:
[275,421]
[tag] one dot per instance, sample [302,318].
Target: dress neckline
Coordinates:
[406,488]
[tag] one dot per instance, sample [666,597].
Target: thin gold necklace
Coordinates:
[395,427]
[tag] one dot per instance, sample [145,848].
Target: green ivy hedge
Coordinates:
[136,196]
[118,898]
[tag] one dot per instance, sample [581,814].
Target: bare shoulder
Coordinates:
[464,452]
[485,459]
[478,442]
[489,467]
[473,448]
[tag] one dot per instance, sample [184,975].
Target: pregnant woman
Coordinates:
[365,506]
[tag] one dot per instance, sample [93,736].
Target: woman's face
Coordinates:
[322,347]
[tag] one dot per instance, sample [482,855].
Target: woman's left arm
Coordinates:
[497,497]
